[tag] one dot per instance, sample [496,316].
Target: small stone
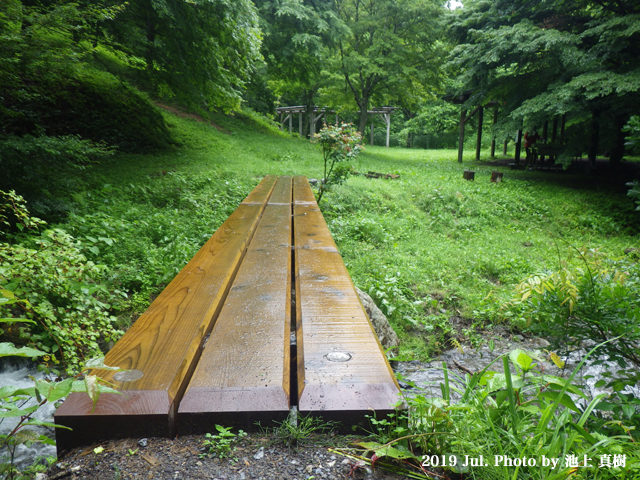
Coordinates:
[41,476]
[346,461]
[309,469]
[199,463]
[259,454]
[143,442]
[541,342]
[520,338]
[331,463]
[295,462]
[241,476]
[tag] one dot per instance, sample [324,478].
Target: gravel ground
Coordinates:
[257,457]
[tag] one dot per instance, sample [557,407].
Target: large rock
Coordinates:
[387,336]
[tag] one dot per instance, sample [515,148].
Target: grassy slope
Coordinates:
[428,245]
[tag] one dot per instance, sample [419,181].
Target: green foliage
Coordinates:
[596,300]
[61,295]
[223,444]
[632,129]
[297,429]
[514,412]
[52,170]
[339,143]
[552,58]
[388,50]
[199,52]
[634,191]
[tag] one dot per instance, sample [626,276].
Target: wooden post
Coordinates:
[371,131]
[493,135]
[337,123]
[496,176]
[463,118]
[300,123]
[554,130]
[504,147]
[479,137]
[290,123]
[281,119]
[562,124]
[387,119]
[468,175]
[518,146]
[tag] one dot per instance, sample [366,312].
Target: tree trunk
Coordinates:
[595,137]
[364,106]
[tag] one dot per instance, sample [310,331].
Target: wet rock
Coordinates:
[259,454]
[143,442]
[385,332]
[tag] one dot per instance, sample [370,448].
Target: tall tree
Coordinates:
[389,51]
[555,58]
[295,46]
[202,51]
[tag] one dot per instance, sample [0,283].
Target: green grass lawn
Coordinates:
[427,246]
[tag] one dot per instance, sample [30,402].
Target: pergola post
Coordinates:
[290,123]
[504,147]
[554,130]
[463,118]
[371,130]
[518,146]
[300,123]
[479,138]
[281,120]
[387,119]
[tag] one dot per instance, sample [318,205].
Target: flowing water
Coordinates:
[16,372]
[428,377]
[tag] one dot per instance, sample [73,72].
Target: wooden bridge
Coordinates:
[263,318]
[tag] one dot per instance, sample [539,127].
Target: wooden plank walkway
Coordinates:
[215,346]
[342,370]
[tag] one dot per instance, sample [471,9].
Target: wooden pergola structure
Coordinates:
[315,113]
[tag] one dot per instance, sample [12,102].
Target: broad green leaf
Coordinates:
[10,350]
[16,320]
[521,359]
[565,400]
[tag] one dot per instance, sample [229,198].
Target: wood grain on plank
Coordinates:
[163,345]
[302,193]
[281,194]
[330,321]
[262,192]
[244,368]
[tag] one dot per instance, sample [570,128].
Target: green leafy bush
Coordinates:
[339,143]
[54,297]
[598,299]
[45,169]
[514,412]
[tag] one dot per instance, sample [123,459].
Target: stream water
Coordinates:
[16,372]
[427,378]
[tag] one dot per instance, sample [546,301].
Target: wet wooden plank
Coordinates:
[159,352]
[262,192]
[281,194]
[243,373]
[302,193]
[342,370]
